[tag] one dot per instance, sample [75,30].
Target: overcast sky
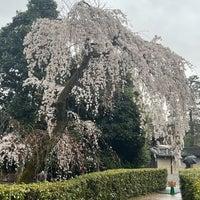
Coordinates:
[176,21]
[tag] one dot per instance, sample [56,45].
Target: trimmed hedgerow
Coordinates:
[111,184]
[190,184]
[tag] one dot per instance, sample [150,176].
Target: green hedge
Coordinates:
[190,184]
[111,184]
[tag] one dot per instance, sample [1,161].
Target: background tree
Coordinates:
[193,135]
[42,9]
[15,99]
[122,129]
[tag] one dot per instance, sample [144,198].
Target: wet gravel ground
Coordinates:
[164,195]
[157,196]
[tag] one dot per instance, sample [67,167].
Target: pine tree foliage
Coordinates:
[123,128]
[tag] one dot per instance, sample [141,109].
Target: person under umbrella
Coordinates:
[190,160]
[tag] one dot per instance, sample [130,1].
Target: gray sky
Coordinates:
[176,21]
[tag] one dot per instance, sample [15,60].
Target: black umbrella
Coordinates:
[189,160]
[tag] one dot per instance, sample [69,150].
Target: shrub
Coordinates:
[190,184]
[111,184]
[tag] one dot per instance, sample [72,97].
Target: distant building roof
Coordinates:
[162,151]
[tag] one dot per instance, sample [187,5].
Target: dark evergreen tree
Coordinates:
[13,66]
[43,8]
[192,136]
[122,129]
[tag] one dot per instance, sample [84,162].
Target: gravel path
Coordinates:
[165,195]
[157,196]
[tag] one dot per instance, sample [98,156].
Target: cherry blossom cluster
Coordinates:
[56,48]
[77,150]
